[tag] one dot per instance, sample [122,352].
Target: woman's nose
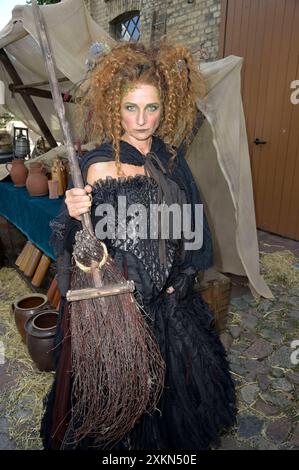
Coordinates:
[141,119]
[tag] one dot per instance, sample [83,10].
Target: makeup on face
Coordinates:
[140,114]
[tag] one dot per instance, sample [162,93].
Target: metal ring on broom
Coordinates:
[87,269]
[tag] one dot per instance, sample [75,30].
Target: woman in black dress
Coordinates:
[141,108]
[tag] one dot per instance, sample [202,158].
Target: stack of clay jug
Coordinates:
[59,174]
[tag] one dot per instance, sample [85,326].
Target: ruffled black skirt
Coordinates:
[198,402]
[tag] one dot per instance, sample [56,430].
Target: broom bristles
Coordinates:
[118,370]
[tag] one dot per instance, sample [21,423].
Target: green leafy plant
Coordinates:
[43,2]
[4,119]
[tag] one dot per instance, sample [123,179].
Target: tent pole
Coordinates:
[27,90]
[36,84]
[28,100]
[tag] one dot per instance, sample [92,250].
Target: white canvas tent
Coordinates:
[218,157]
[71,31]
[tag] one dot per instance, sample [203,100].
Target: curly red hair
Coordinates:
[170,68]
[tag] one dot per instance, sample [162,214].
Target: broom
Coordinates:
[118,371]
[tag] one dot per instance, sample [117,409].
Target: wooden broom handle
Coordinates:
[59,106]
[74,165]
[60,110]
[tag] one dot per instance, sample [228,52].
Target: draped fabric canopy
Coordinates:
[218,156]
[219,159]
[71,31]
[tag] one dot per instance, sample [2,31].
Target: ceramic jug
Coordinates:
[40,330]
[37,181]
[18,172]
[25,307]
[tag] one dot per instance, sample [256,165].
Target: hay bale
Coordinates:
[23,400]
[279,268]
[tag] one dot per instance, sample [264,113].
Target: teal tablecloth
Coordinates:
[31,215]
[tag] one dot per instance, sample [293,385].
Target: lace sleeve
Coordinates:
[63,229]
[58,230]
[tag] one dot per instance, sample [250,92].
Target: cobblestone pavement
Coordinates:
[258,342]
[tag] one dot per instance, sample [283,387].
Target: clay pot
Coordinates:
[41,329]
[18,172]
[37,181]
[26,307]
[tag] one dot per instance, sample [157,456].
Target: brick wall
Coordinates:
[105,11]
[195,24]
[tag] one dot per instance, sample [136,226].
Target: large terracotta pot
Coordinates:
[37,181]
[25,307]
[41,329]
[18,172]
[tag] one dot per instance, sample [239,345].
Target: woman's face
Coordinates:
[141,111]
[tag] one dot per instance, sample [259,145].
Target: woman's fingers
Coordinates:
[76,195]
[78,201]
[76,211]
[88,188]
[81,210]
[75,192]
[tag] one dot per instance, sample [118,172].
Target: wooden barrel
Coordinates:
[215,289]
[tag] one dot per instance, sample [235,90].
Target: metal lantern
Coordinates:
[21,142]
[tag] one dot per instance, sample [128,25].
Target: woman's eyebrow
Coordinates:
[135,104]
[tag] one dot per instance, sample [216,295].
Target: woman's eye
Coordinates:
[153,107]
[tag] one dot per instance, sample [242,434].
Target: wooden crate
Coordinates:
[12,241]
[215,289]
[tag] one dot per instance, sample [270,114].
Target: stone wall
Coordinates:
[196,24]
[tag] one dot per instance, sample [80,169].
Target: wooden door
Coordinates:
[266,34]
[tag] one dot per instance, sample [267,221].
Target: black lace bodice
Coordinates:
[138,189]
